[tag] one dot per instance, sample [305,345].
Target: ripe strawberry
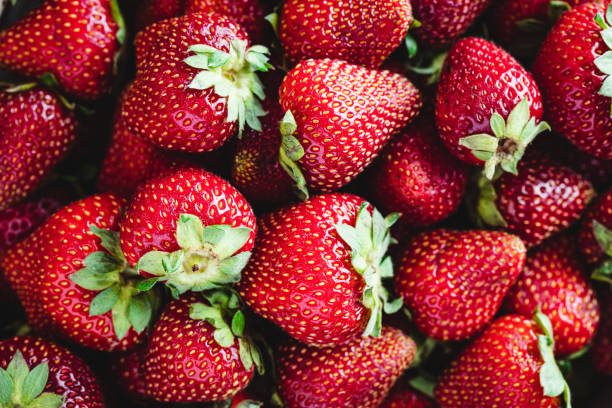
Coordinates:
[362,32]
[601,213]
[554,281]
[601,350]
[543,199]
[196,83]
[36,131]
[344,115]
[126,369]
[488,106]
[511,364]
[76,41]
[402,395]
[443,21]
[416,176]
[203,225]
[357,374]
[37,373]
[453,282]
[573,69]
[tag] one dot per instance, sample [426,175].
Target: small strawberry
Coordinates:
[35,133]
[402,395]
[554,281]
[601,350]
[598,219]
[151,11]
[37,373]
[75,41]
[453,282]
[126,369]
[342,115]
[245,400]
[511,364]
[357,374]
[488,106]
[543,199]
[573,69]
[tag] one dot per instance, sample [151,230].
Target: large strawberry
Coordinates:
[488,106]
[342,115]
[598,219]
[75,41]
[37,373]
[601,350]
[196,83]
[357,374]
[35,133]
[573,69]
[453,282]
[511,364]
[322,260]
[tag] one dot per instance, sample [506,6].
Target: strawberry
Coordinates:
[544,198]
[453,282]
[443,21]
[74,41]
[342,114]
[126,369]
[37,373]
[151,11]
[357,374]
[322,260]
[554,281]
[203,64]
[572,68]
[416,176]
[597,219]
[488,106]
[198,351]
[245,400]
[362,32]
[511,364]
[601,350]
[402,395]
[36,133]
[190,229]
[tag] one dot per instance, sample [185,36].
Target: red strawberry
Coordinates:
[402,395]
[554,281]
[601,350]
[488,106]
[196,83]
[453,282]
[600,212]
[443,21]
[511,364]
[357,374]
[417,177]
[76,41]
[315,275]
[362,32]
[203,225]
[573,69]
[544,198]
[37,373]
[126,369]
[151,11]
[344,115]
[36,131]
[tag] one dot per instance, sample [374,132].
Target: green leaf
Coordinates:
[147,284]
[238,323]
[153,263]
[480,142]
[412,46]
[104,301]
[110,241]
[101,262]
[199,61]
[393,306]
[551,378]
[18,370]
[498,125]
[47,400]
[139,312]
[230,268]
[7,388]
[214,233]
[202,49]
[606,87]
[517,119]
[292,147]
[35,383]
[603,235]
[603,272]
[173,262]
[224,337]
[121,322]
[244,350]
[604,62]
[293,170]
[272,18]
[200,311]
[118,18]
[609,13]
[350,236]
[218,59]
[607,36]
[189,232]
[288,125]
[232,241]
[93,281]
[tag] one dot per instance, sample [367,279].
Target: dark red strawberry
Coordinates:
[343,116]
[196,83]
[35,133]
[488,106]
[573,68]
[75,41]
[511,364]
[554,281]
[317,268]
[599,213]
[37,373]
[601,350]
[402,395]
[543,199]
[416,176]
[453,282]
[127,371]
[151,11]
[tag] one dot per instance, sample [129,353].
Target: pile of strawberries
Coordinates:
[306,203]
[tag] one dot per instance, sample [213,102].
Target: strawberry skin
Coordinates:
[571,82]
[357,374]
[75,40]
[601,350]
[36,132]
[453,282]
[126,369]
[402,395]
[600,211]
[362,32]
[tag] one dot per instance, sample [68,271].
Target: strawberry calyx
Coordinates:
[109,273]
[486,209]
[233,76]
[510,138]
[603,235]
[369,240]
[290,152]
[21,387]
[208,257]
[536,26]
[604,61]
[224,313]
